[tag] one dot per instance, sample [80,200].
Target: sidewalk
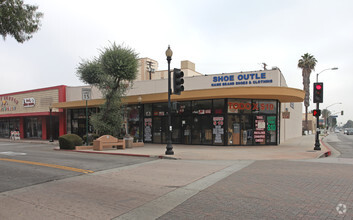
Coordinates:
[296,148]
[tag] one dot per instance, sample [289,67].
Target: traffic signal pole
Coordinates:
[317,142]
[318,98]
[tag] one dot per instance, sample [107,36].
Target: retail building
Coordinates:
[242,108]
[30,113]
[229,109]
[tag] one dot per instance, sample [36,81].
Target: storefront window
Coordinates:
[8,125]
[218,106]
[147,110]
[160,109]
[202,107]
[264,107]
[239,106]
[183,108]
[134,121]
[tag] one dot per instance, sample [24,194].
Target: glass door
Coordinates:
[157,130]
[202,130]
[33,128]
[234,130]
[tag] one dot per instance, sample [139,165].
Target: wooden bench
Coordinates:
[107,141]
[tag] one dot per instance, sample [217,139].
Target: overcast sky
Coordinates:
[219,36]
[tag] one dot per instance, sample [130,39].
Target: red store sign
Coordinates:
[249,106]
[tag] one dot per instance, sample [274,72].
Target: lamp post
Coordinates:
[50,124]
[139,99]
[317,75]
[317,142]
[169,151]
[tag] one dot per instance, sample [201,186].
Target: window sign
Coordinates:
[260,133]
[239,106]
[148,129]
[218,130]
[271,123]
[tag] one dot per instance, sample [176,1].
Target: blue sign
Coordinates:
[241,79]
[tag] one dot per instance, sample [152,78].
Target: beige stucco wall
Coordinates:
[74,93]
[13,104]
[205,82]
[291,128]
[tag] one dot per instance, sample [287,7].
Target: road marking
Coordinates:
[11,153]
[48,165]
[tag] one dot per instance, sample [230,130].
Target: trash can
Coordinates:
[128,142]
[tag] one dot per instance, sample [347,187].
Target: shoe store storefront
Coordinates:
[235,109]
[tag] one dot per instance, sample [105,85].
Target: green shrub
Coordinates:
[91,137]
[70,141]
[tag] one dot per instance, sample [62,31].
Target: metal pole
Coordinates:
[51,125]
[169,150]
[317,142]
[86,124]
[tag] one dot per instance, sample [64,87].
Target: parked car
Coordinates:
[349,131]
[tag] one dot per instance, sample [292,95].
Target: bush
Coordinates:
[91,137]
[70,141]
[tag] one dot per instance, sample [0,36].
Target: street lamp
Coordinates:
[51,124]
[139,100]
[317,75]
[317,142]
[169,151]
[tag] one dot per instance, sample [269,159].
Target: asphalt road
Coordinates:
[343,143]
[24,164]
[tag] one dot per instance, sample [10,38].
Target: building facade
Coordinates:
[230,109]
[30,113]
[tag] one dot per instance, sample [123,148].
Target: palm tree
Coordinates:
[307,63]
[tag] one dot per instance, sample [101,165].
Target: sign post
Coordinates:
[86,95]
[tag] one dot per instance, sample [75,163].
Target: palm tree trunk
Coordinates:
[306,119]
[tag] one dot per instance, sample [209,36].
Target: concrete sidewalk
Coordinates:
[296,148]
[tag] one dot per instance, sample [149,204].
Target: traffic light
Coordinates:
[341,112]
[318,92]
[178,81]
[316,112]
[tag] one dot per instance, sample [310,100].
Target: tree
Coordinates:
[349,124]
[307,63]
[111,72]
[325,114]
[18,19]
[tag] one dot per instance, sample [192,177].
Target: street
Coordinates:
[18,168]
[343,143]
[144,188]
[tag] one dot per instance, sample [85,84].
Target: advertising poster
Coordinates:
[148,129]
[218,130]
[260,133]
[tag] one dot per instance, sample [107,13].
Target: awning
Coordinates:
[283,94]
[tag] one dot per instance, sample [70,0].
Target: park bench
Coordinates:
[107,141]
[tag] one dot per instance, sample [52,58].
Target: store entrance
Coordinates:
[159,130]
[33,128]
[201,131]
[240,130]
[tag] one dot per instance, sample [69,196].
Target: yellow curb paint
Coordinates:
[48,165]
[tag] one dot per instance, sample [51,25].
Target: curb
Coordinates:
[327,153]
[123,154]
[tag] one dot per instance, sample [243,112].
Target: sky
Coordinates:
[219,36]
